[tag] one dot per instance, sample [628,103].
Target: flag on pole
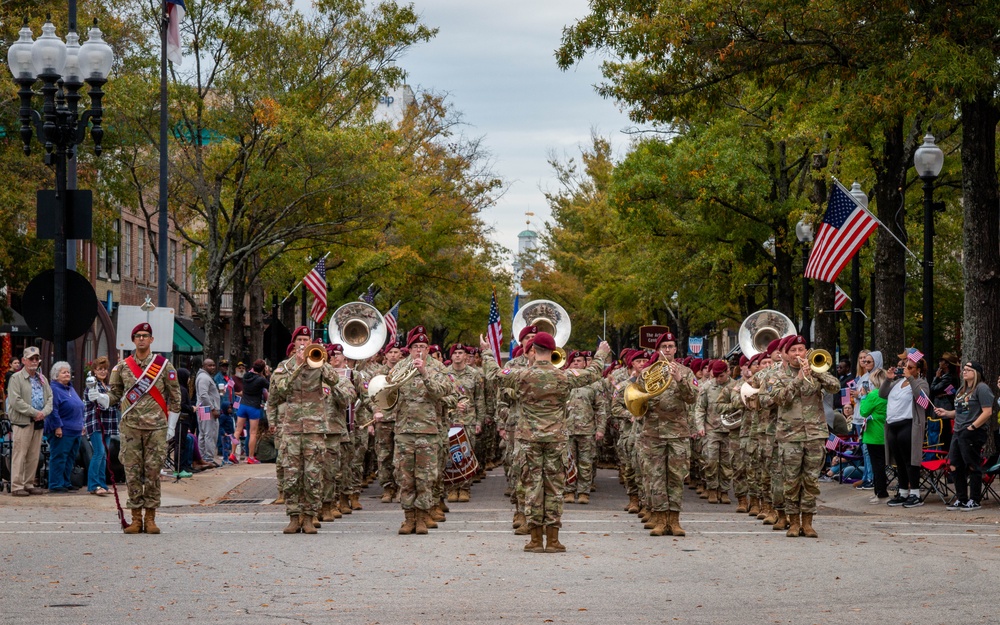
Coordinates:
[368,296]
[839,298]
[913,354]
[517,307]
[494,331]
[950,390]
[923,400]
[175,15]
[315,281]
[392,323]
[845,228]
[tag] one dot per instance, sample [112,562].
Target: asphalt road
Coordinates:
[232,564]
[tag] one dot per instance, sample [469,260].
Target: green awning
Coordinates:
[184,343]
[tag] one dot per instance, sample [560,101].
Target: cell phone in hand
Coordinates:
[898,371]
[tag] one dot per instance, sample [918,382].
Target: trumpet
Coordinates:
[559,358]
[315,356]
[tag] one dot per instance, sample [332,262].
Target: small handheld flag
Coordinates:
[923,400]
[914,354]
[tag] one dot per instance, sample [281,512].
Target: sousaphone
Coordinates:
[547,316]
[755,334]
[360,328]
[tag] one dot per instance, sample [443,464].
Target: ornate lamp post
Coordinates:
[60,127]
[928,161]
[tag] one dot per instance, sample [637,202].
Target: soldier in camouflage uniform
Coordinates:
[470,414]
[587,419]
[417,414]
[305,392]
[384,433]
[541,392]
[696,479]
[751,415]
[798,391]
[769,418]
[510,410]
[665,440]
[144,422]
[741,459]
[717,398]
[635,360]
[340,488]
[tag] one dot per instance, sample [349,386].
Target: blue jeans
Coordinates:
[868,476]
[227,427]
[97,473]
[62,459]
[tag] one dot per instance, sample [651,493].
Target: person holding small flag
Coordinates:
[906,390]
[946,380]
[973,412]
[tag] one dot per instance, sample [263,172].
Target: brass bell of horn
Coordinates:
[762,327]
[360,328]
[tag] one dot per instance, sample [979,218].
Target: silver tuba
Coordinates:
[755,333]
[360,328]
[547,316]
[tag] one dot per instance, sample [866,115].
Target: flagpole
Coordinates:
[299,283]
[161,278]
[877,220]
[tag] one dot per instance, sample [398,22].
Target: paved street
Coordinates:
[65,560]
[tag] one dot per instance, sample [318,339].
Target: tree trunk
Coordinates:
[981,235]
[255,348]
[890,258]
[214,339]
[237,329]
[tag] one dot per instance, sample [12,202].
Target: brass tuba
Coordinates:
[547,316]
[360,328]
[654,383]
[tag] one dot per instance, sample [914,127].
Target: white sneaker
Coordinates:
[877,500]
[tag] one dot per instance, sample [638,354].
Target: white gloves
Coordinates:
[101,399]
[172,418]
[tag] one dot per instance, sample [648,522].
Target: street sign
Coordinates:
[649,334]
[38,300]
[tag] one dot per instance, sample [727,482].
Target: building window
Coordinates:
[127,249]
[152,261]
[115,251]
[184,269]
[172,259]
[140,260]
[102,259]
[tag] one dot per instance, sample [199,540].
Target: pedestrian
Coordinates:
[249,411]
[145,389]
[946,380]
[207,396]
[101,425]
[972,414]
[872,409]
[63,429]
[904,430]
[30,401]
[15,366]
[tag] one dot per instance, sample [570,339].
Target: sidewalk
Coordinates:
[845,499]
[204,488]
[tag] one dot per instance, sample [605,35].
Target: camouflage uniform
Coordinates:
[801,433]
[306,395]
[338,478]
[541,392]
[143,431]
[489,437]
[741,456]
[385,442]
[772,454]
[417,433]
[665,438]
[508,405]
[714,400]
[469,385]
[620,380]
[588,415]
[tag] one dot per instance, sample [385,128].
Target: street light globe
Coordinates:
[19,55]
[71,70]
[928,159]
[48,53]
[96,56]
[859,195]
[803,231]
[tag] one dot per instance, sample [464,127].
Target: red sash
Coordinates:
[153,391]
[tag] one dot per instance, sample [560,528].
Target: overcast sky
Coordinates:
[495,60]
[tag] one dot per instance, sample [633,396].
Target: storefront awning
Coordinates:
[184,343]
[17,326]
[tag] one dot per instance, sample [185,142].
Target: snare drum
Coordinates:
[462,465]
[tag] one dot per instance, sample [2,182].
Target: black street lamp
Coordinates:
[804,233]
[60,127]
[928,161]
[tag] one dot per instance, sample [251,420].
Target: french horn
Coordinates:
[654,382]
[547,316]
[360,328]
[383,390]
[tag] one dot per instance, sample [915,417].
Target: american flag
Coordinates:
[923,400]
[175,15]
[368,296]
[950,390]
[839,298]
[494,331]
[914,354]
[315,281]
[517,307]
[392,322]
[845,228]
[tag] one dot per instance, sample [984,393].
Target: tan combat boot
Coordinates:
[633,504]
[552,544]
[324,512]
[464,495]
[755,506]
[518,520]
[294,525]
[429,520]
[650,521]
[569,497]
[701,491]
[420,522]
[444,505]
[535,544]
[149,523]
[643,514]
[355,502]
[523,530]
[280,500]
[583,499]
[335,508]
[437,514]
[345,505]
[387,495]
[660,529]
[772,515]
[713,495]
[136,526]
[742,505]
[315,521]
[674,524]
[793,526]
[308,527]
[452,496]
[781,522]
[408,522]
[724,497]
[807,526]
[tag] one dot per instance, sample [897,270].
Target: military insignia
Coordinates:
[279,369]
[365,384]
[326,390]
[575,372]
[505,372]
[172,375]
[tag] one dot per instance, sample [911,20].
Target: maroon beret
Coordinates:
[666,336]
[289,349]
[545,341]
[518,350]
[405,351]
[744,361]
[718,367]
[798,339]
[573,355]
[696,364]
[334,348]
[785,342]
[301,331]
[773,345]
[419,337]
[433,349]
[142,327]
[687,361]
[525,331]
[586,354]
[415,330]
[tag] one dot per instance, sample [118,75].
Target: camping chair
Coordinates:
[934,476]
[990,482]
[850,455]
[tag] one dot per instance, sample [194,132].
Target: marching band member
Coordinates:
[470,414]
[587,419]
